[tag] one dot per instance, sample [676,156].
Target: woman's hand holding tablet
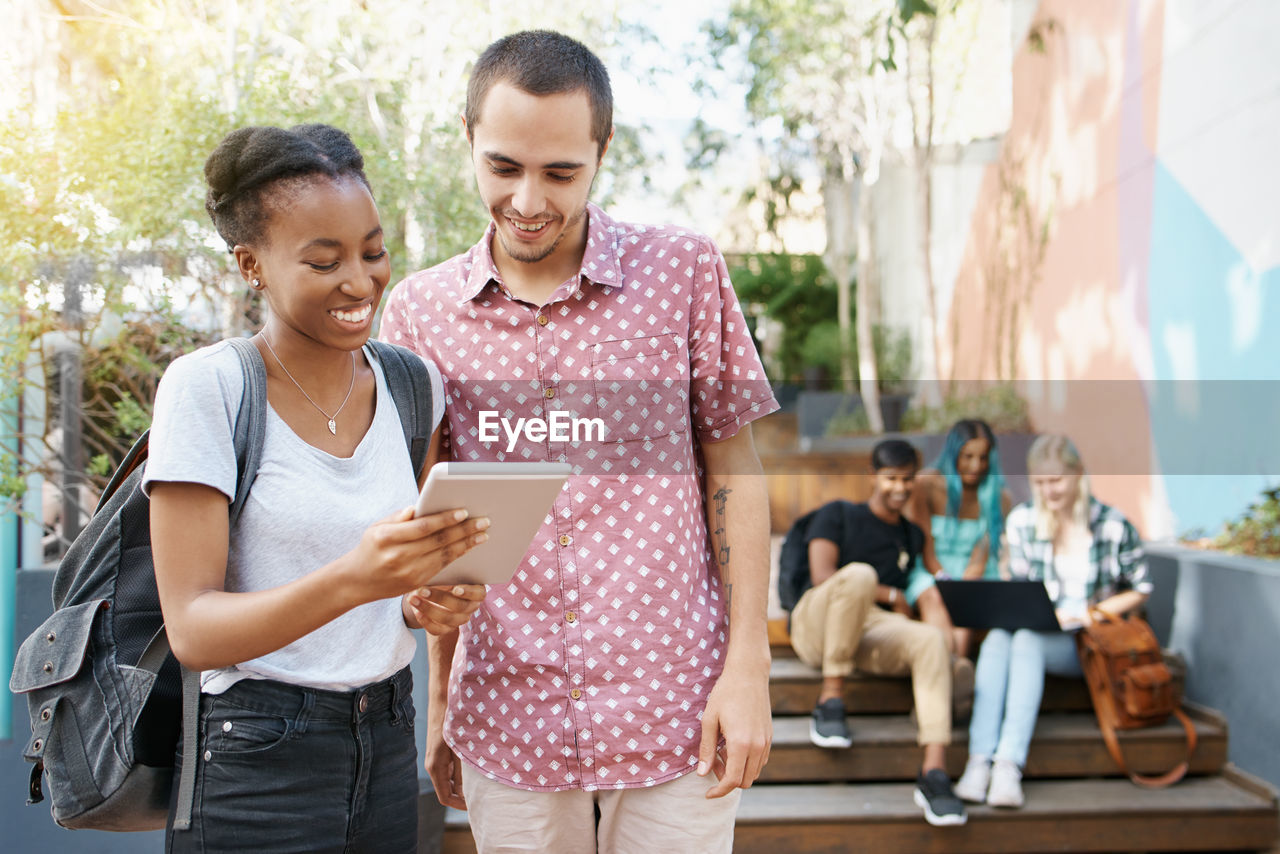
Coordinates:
[516,497]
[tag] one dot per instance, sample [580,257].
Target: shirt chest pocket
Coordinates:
[641,386]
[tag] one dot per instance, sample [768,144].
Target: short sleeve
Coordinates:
[827,524]
[437,394]
[193,421]
[728,383]
[396,326]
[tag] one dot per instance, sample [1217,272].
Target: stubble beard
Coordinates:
[532,255]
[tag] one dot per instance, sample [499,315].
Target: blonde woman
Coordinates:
[1088,556]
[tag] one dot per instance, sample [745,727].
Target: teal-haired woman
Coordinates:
[961,504]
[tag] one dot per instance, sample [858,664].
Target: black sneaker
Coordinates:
[828,728]
[933,795]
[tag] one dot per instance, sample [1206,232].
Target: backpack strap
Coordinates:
[251,421]
[409,382]
[249,437]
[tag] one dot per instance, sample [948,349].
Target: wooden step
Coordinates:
[1066,744]
[1200,814]
[1231,812]
[793,688]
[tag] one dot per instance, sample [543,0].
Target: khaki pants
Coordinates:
[837,627]
[672,817]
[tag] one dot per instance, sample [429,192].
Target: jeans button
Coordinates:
[363,705]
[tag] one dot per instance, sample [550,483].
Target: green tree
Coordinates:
[827,69]
[848,83]
[114,108]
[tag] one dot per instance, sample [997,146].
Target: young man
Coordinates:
[632,641]
[856,616]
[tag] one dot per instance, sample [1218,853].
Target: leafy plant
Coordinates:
[822,348]
[1257,531]
[798,293]
[998,404]
[849,421]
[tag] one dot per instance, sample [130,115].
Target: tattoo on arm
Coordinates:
[722,533]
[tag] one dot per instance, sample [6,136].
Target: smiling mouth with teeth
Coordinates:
[536,226]
[353,316]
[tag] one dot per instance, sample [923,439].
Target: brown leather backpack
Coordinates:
[1131,686]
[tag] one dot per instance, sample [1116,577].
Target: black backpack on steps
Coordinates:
[793,560]
[107,701]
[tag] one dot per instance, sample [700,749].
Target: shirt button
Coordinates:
[576,694]
[226,726]
[564,540]
[571,617]
[543,320]
[363,705]
[549,393]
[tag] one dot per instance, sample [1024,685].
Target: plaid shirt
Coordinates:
[1116,561]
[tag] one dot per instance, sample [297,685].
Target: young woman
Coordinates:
[1089,557]
[298,617]
[961,504]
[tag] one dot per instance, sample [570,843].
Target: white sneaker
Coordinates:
[973,783]
[1006,785]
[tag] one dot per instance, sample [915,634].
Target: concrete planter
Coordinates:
[1222,613]
[815,409]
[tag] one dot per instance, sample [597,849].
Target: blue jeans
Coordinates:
[1008,685]
[286,768]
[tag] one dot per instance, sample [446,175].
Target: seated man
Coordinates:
[856,616]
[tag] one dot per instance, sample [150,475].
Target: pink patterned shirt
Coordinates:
[591,670]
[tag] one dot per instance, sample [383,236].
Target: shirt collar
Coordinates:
[600,262]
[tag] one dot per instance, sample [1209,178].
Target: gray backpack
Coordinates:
[108,702]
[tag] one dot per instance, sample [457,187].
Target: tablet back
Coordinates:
[996,604]
[515,496]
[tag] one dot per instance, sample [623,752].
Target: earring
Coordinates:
[256,284]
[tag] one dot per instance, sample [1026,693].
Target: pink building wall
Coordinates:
[1100,261]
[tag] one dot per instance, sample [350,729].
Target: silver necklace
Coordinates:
[333,424]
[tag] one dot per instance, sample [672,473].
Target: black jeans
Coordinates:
[286,768]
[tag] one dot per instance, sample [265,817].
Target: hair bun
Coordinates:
[250,159]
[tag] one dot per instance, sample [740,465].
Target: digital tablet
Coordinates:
[515,496]
[988,603]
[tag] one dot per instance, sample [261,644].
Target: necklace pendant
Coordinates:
[333,427]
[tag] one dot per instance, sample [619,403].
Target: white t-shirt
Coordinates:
[306,508]
[1073,572]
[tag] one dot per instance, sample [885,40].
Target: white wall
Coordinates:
[957,177]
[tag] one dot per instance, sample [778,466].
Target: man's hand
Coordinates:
[737,709]
[443,766]
[441,763]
